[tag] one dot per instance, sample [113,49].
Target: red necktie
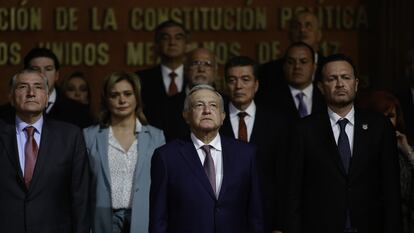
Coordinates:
[242,126]
[172,89]
[30,155]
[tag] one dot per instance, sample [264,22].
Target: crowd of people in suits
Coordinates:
[289,146]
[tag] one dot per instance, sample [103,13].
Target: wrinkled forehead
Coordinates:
[204,95]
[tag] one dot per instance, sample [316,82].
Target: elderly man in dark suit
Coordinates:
[256,124]
[344,174]
[207,183]
[43,166]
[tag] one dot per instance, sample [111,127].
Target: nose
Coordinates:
[238,84]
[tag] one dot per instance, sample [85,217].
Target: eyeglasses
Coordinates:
[197,63]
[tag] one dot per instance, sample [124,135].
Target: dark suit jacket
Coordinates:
[181,197]
[270,134]
[407,106]
[57,200]
[64,109]
[161,110]
[320,190]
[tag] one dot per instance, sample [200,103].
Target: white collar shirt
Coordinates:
[248,119]
[349,128]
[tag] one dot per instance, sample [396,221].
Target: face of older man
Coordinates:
[205,113]
[305,28]
[201,67]
[29,95]
[242,86]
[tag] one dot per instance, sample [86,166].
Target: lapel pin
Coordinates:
[364,126]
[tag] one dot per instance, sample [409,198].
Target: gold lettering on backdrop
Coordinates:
[330,17]
[104,20]
[21,19]
[10,53]
[139,54]
[201,18]
[267,51]
[78,53]
[66,19]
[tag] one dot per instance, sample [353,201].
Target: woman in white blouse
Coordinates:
[120,150]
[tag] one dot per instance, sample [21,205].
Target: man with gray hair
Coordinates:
[43,165]
[206,183]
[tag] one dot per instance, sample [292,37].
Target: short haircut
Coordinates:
[168,24]
[40,52]
[201,87]
[297,45]
[110,81]
[238,61]
[336,57]
[13,80]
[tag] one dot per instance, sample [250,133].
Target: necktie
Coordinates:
[30,155]
[242,126]
[345,152]
[209,166]
[172,89]
[301,107]
[343,145]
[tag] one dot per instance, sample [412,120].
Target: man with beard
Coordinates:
[343,163]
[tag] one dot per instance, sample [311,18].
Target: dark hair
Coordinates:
[168,24]
[333,58]
[296,45]
[240,61]
[110,81]
[80,75]
[40,52]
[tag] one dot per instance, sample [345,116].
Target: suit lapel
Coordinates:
[361,136]
[102,142]
[8,138]
[142,144]
[190,155]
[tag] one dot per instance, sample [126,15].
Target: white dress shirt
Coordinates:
[349,128]
[216,154]
[122,166]
[21,137]
[179,79]
[248,119]
[307,97]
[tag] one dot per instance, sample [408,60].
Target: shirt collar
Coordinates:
[233,111]
[166,70]
[138,126]
[21,125]
[307,91]
[335,117]
[215,143]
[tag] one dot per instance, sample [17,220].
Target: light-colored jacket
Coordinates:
[101,209]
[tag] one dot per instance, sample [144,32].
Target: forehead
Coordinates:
[77,80]
[306,18]
[299,52]
[29,78]
[172,30]
[201,54]
[122,85]
[240,70]
[42,61]
[204,95]
[337,68]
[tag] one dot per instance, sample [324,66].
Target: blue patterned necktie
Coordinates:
[301,107]
[209,166]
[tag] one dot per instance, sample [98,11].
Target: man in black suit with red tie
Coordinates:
[43,166]
[162,82]
[343,165]
[267,130]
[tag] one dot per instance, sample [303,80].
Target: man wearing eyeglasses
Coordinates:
[206,183]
